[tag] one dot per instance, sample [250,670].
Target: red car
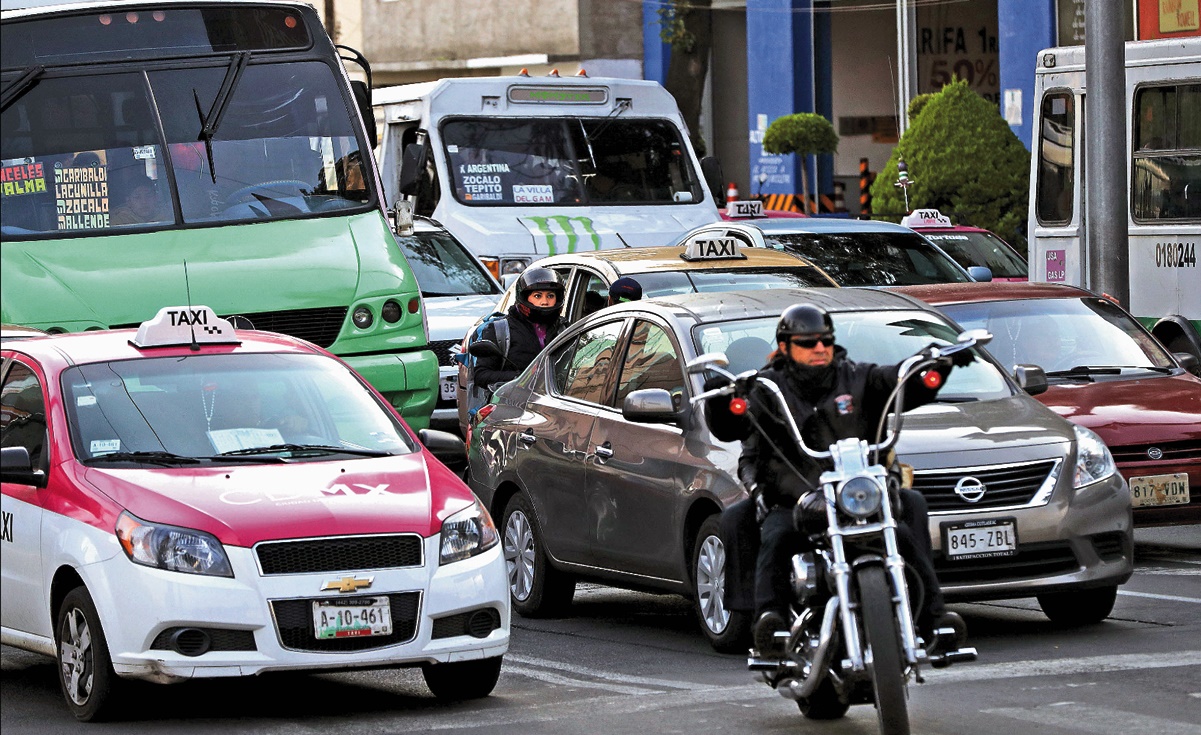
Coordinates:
[1103,371]
[969,245]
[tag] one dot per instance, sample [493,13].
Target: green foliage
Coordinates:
[803,133]
[671,25]
[964,160]
[918,103]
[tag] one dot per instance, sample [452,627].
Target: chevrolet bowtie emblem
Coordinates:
[347,584]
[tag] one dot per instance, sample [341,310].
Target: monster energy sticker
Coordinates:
[559,226]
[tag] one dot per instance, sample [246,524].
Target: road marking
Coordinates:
[1168,572]
[1064,667]
[1091,718]
[598,674]
[1173,598]
[550,678]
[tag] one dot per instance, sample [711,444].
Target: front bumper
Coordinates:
[137,605]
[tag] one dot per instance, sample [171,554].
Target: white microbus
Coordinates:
[1163,176]
[519,168]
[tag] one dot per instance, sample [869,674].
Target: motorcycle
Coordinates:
[853,639]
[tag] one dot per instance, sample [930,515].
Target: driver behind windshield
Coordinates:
[831,398]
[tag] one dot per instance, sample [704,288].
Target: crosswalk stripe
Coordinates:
[1091,718]
[1173,598]
[1064,667]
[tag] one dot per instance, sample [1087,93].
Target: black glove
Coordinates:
[963,358]
[930,351]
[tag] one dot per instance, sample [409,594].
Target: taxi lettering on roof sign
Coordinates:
[184,325]
[713,248]
[747,208]
[926,218]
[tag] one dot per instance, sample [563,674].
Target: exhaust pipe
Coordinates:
[794,689]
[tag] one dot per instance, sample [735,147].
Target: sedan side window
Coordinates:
[586,374]
[23,413]
[651,362]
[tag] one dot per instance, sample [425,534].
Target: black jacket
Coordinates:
[523,348]
[851,408]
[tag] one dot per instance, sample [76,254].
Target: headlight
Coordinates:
[467,533]
[860,497]
[1093,460]
[172,548]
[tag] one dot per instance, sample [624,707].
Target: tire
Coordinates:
[537,589]
[85,670]
[728,631]
[824,704]
[1079,607]
[462,679]
[884,642]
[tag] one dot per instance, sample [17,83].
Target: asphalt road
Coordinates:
[634,663]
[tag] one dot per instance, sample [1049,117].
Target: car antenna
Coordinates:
[188,287]
[623,240]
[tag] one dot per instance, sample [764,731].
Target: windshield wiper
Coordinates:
[303,448]
[210,122]
[20,86]
[164,458]
[956,399]
[1085,372]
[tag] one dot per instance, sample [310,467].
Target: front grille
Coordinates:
[444,348]
[476,623]
[1031,561]
[294,622]
[1172,452]
[195,641]
[1004,486]
[344,554]
[320,326]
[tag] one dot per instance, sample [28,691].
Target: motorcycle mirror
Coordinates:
[981,336]
[704,362]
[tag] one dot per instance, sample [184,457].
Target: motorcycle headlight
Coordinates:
[1093,460]
[172,548]
[467,533]
[860,497]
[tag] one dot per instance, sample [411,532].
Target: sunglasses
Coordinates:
[809,343]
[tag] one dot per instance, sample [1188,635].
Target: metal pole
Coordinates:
[1105,153]
[902,67]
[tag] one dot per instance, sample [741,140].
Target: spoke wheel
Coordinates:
[537,588]
[85,670]
[728,630]
[883,640]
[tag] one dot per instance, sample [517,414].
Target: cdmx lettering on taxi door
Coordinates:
[305,495]
[6,533]
[567,227]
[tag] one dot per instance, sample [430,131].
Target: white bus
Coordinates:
[1163,175]
[519,168]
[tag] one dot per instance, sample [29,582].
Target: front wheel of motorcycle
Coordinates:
[884,641]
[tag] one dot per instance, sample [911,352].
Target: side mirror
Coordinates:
[703,362]
[649,406]
[507,279]
[16,467]
[412,164]
[484,348]
[711,170]
[1030,378]
[980,273]
[1187,360]
[448,448]
[981,336]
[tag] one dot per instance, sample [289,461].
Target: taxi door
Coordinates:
[638,475]
[23,606]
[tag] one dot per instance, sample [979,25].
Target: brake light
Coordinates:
[737,406]
[931,379]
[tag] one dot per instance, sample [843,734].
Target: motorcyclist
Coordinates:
[534,321]
[830,398]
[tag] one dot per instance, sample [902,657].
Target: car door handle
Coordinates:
[604,450]
[527,437]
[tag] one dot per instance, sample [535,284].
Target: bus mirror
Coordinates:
[412,163]
[711,170]
[362,98]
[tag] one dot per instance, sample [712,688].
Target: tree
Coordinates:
[688,26]
[804,133]
[964,160]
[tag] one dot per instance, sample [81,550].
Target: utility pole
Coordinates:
[330,21]
[905,70]
[1105,153]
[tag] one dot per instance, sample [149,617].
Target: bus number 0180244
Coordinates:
[1175,255]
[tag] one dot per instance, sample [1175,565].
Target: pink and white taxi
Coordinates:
[188,501]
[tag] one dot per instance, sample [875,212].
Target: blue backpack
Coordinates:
[478,395]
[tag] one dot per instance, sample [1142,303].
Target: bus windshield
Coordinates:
[568,161]
[99,153]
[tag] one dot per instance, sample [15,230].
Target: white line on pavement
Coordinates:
[1093,719]
[550,678]
[1063,667]
[599,674]
[1173,598]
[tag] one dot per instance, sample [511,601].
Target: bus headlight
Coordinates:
[362,317]
[467,533]
[172,548]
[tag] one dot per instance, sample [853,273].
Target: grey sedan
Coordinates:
[597,468]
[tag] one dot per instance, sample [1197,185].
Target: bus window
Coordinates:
[1057,138]
[1167,153]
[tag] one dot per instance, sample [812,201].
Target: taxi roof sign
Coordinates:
[744,208]
[713,248]
[185,325]
[926,218]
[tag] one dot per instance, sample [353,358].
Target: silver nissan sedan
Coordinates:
[591,478]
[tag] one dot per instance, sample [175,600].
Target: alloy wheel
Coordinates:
[519,554]
[711,584]
[77,657]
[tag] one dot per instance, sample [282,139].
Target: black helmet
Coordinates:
[803,319]
[539,279]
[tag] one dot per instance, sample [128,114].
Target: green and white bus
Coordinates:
[201,151]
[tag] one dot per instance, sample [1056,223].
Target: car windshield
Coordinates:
[205,405]
[712,279]
[981,248]
[443,267]
[880,337]
[872,258]
[1060,334]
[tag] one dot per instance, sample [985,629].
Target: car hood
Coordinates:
[244,504]
[450,317]
[1012,429]
[1156,408]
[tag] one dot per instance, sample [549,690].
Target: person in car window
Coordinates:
[533,321]
[142,204]
[830,398]
[624,289]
